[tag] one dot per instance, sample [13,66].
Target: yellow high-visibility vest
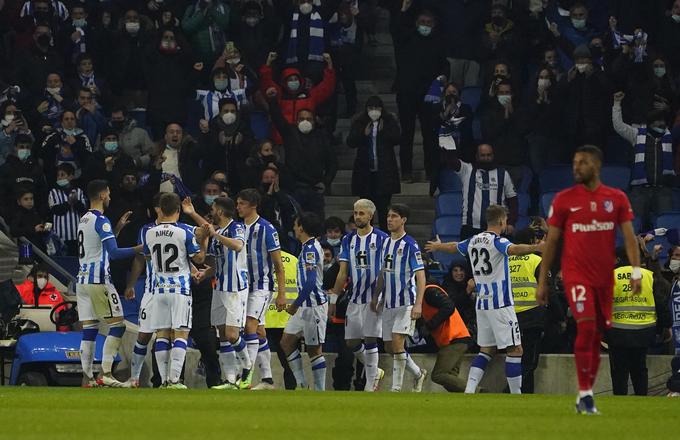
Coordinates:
[524,282]
[633,312]
[276,319]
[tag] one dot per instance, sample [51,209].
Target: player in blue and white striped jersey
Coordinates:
[402,287]
[171,246]
[310,309]
[361,261]
[264,259]
[497,325]
[230,295]
[96,296]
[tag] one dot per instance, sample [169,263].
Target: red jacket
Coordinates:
[49,296]
[290,103]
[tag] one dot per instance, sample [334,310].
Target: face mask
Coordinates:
[9,117]
[252,21]
[209,199]
[63,183]
[220,84]
[53,90]
[582,67]
[326,266]
[168,45]
[111,146]
[293,86]
[659,130]
[132,27]
[676,18]
[79,22]
[543,83]
[374,114]
[305,126]
[69,132]
[23,154]
[229,118]
[504,99]
[578,23]
[674,266]
[424,30]
[41,282]
[44,40]
[234,61]
[660,72]
[333,241]
[306,8]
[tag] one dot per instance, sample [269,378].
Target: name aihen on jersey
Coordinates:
[170,246]
[488,254]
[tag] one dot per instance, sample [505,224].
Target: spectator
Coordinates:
[13,124]
[210,99]
[375,175]
[170,78]
[459,286]
[76,37]
[22,169]
[422,57]
[26,221]
[292,95]
[230,139]
[133,140]
[85,77]
[278,207]
[501,37]
[52,102]
[262,156]
[109,162]
[49,11]
[240,79]
[305,144]
[37,289]
[653,174]
[451,117]
[669,39]
[220,176]
[484,182]
[345,49]
[89,116]
[67,144]
[551,59]
[256,32]
[210,190]
[180,159]
[205,22]
[334,229]
[545,136]
[67,204]
[574,28]
[33,65]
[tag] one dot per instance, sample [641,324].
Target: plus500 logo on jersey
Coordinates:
[592,227]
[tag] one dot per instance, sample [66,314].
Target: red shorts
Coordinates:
[589,302]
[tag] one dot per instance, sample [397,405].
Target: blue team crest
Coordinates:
[609,206]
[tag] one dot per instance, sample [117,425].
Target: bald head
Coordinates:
[484,153]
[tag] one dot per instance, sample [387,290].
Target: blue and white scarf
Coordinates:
[449,131]
[639,175]
[316,35]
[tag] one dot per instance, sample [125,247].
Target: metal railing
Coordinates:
[53,265]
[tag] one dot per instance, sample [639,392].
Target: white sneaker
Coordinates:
[377,379]
[131,383]
[419,381]
[263,386]
[110,381]
[673,394]
[176,386]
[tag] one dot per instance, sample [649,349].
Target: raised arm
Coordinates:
[437,246]
[525,249]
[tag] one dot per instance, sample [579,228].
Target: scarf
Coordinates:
[316,35]
[638,40]
[449,131]
[86,80]
[434,94]
[373,153]
[340,35]
[639,174]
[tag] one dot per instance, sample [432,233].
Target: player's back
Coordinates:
[588,221]
[363,255]
[231,267]
[170,246]
[93,260]
[311,260]
[261,239]
[488,254]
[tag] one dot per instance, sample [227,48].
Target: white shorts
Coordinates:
[258,302]
[310,323]
[362,322]
[397,320]
[498,328]
[229,308]
[145,312]
[171,311]
[98,302]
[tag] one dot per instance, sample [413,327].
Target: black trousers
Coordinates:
[343,369]
[627,362]
[274,338]
[382,201]
[411,107]
[531,347]
[205,340]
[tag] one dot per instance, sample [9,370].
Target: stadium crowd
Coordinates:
[206,98]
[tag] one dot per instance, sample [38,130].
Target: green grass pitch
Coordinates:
[98,414]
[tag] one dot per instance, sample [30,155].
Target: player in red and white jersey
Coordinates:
[586,216]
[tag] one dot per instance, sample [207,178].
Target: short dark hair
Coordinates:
[250,195]
[226,205]
[39,268]
[84,89]
[224,101]
[169,203]
[210,182]
[83,56]
[22,190]
[310,223]
[334,223]
[96,187]
[67,168]
[400,209]
[494,214]
[525,236]
[592,150]
[326,246]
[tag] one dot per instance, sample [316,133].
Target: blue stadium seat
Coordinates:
[556,178]
[617,176]
[449,181]
[668,220]
[449,203]
[448,225]
[546,201]
[527,177]
[259,123]
[471,96]
[524,201]
[676,199]
[447,260]
[522,222]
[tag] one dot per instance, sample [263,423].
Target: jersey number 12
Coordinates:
[165,257]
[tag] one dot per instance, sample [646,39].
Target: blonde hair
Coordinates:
[494,215]
[365,204]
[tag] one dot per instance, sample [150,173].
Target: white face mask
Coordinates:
[504,99]
[374,114]
[229,118]
[306,8]
[42,282]
[132,27]
[305,126]
[9,117]
[233,61]
[333,241]
[674,266]
[543,83]
[582,67]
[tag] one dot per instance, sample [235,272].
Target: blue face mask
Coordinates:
[63,183]
[79,22]
[209,199]
[111,146]
[424,30]
[23,154]
[659,130]
[578,23]
[69,131]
